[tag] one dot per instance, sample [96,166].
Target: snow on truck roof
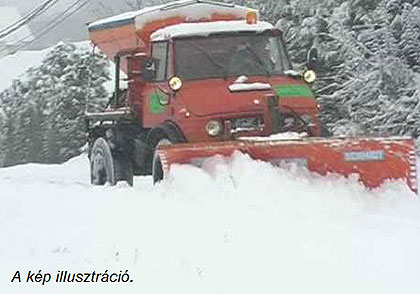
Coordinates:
[190,9]
[205,29]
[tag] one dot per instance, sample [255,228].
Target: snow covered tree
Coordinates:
[44,110]
[71,74]
[376,93]
[410,36]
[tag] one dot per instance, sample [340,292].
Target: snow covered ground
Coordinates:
[237,226]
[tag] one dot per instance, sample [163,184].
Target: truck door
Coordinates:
[159,96]
[135,84]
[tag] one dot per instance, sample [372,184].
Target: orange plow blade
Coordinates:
[375,160]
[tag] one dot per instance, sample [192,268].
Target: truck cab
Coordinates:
[217,81]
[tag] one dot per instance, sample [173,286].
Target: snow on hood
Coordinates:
[238,87]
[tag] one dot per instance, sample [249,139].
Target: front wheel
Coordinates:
[107,166]
[157,169]
[165,136]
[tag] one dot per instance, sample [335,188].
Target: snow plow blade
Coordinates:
[375,160]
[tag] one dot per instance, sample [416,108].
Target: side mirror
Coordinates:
[312,59]
[148,69]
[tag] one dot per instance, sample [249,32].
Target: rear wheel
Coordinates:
[107,166]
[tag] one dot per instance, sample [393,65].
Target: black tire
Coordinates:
[107,166]
[123,168]
[167,135]
[157,170]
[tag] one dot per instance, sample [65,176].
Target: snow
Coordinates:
[190,9]
[205,29]
[241,79]
[292,73]
[282,137]
[237,87]
[126,16]
[235,226]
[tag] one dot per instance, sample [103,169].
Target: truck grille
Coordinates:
[246,124]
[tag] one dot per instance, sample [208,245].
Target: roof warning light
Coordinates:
[251,17]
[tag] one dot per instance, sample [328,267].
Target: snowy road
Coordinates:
[239,226]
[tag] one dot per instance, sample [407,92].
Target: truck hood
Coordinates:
[220,96]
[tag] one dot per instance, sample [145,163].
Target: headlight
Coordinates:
[213,128]
[309,76]
[175,83]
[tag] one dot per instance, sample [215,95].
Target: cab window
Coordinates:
[160,58]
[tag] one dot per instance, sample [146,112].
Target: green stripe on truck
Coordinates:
[294,91]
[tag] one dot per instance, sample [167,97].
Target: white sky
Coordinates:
[8,16]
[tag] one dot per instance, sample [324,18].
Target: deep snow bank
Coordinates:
[237,226]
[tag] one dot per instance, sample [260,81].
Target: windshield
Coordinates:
[230,55]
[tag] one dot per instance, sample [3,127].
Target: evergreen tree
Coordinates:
[410,36]
[43,114]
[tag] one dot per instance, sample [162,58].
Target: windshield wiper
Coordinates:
[258,59]
[260,62]
[221,66]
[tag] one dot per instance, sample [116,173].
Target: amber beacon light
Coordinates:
[251,17]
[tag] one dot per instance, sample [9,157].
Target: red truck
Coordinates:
[206,78]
